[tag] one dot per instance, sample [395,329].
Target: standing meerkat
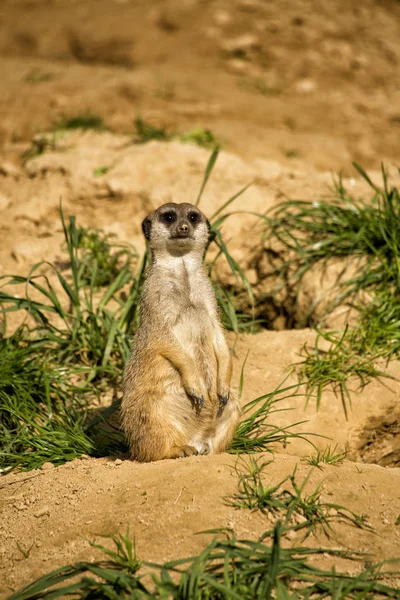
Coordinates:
[177,397]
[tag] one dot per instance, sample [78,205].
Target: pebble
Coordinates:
[306,86]
[47,466]
[241,42]
[237,66]
[117,188]
[42,512]
[9,169]
[222,17]
[248,5]
[5,201]
[118,462]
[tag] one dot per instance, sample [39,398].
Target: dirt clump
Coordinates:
[379,440]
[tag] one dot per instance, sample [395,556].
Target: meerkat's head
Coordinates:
[177,229]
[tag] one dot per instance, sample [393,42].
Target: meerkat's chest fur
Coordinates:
[183,290]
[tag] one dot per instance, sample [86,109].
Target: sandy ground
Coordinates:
[294,94]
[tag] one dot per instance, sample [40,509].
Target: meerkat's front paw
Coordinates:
[198,401]
[223,401]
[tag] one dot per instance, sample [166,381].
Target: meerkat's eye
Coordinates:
[194,217]
[168,217]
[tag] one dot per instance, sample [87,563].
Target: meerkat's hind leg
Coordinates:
[226,426]
[181,451]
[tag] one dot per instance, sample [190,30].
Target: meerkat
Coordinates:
[177,397]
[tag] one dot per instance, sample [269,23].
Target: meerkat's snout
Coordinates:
[183,230]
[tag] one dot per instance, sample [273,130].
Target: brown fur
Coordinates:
[177,398]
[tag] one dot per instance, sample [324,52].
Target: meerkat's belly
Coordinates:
[194,331]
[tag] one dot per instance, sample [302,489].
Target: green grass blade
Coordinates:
[210,165]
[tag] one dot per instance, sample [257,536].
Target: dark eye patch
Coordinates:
[168,217]
[194,217]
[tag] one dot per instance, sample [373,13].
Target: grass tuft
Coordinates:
[226,568]
[38,76]
[39,145]
[80,121]
[145,132]
[41,419]
[53,371]
[368,234]
[316,232]
[288,501]
[199,136]
[256,433]
[335,367]
[48,141]
[328,456]
[103,255]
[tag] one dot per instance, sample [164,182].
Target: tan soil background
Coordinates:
[294,91]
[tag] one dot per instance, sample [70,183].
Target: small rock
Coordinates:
[24,251]
[9,169]
[248,5]
[280,323]
[237,66]
[4,200]
[260,26]
[213,33]
[84,457]
[42,512]
[291,534]
[59,101]
[252,276]
[116,188]
[306,86]
[47,466]
[299,519]
[164,20]
[222,17]
[118,462]
[244,42]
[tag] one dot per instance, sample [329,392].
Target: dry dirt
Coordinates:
[294,91]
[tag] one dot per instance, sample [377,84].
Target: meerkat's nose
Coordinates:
[183,228]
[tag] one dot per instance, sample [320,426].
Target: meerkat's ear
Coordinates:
[208,225]
[146,227]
